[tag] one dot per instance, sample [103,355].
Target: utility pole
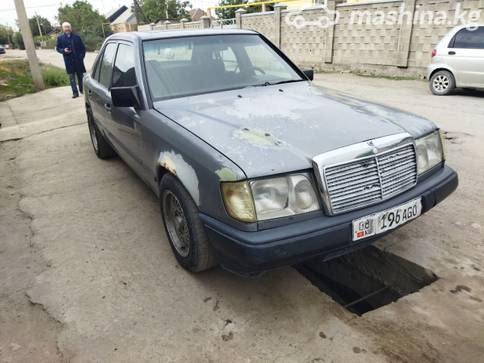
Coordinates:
[40,30]
[24,25]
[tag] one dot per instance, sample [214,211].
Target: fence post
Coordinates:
[278,8]
[183,21]
[405,36]
[238,16]
[205,22]
[328,52]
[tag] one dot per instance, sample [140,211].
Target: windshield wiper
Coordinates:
[267,83]
[287,81]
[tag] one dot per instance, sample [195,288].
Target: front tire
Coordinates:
[183,227]
[101,147]
[442,83]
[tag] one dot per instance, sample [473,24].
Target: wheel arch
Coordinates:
[443,68]
[173,163]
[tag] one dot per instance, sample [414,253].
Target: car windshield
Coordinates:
[185,66]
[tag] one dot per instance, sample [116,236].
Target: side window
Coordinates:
[124,74]
[469,39]
[96,67]
[106,66]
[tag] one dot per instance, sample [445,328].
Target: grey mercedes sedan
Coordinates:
[254,166]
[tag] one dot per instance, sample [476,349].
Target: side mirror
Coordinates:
[309,73]
[125,97]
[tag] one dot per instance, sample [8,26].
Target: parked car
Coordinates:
[254,166]
[2,50]
[458,61]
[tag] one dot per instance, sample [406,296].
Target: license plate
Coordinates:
[387,220]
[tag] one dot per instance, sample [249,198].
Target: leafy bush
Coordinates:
[15,78]
[18,41]
[54,76]
[92,42]
[51,42]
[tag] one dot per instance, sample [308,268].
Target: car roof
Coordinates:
[161,34]
[463,26]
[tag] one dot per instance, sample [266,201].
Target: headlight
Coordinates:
[430,152]
[270,198]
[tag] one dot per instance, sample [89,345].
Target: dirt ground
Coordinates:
[86,272]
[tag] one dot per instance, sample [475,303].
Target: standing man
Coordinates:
[72,48]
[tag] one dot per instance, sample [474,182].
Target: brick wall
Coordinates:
[304,45]
[403,50]
[261,22]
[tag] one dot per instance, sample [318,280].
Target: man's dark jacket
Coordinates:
[74,61]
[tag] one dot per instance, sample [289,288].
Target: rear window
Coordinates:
[178,67]
[469,39]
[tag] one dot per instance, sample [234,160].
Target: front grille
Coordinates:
[370,180]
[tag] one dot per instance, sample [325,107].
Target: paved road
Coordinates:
[81,240]
[50,56]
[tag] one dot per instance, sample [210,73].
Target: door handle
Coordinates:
[452,52]
[107,107]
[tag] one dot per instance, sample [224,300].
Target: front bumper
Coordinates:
[325,237]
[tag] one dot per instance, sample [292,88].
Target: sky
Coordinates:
[48,8]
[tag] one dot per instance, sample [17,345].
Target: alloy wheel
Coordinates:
[441,83]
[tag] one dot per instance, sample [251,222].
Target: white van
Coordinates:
[458,60]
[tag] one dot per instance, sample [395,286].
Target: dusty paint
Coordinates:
[176,165]
[258,137]
[226,174]
[269,132]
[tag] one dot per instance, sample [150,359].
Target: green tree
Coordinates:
[86,21]
[150,11]
[229,13]
[18,41]
[6,34]
[45,25]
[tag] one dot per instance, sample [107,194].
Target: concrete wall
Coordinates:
[395,50]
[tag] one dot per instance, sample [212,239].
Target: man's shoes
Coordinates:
[75,95]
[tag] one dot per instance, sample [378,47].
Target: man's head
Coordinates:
[66,27]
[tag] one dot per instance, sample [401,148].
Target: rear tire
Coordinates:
[183,227]
[442,83]
[101,147]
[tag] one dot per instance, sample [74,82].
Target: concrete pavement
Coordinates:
[82,241]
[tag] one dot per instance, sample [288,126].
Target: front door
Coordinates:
[126,120]
[99,91]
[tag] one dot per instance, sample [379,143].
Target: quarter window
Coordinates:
[124,74]
[106,68]
[469,39]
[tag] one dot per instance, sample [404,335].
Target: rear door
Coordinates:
[466,56]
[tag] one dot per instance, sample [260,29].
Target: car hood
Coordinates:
[276,129]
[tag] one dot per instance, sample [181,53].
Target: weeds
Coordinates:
[16,80]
